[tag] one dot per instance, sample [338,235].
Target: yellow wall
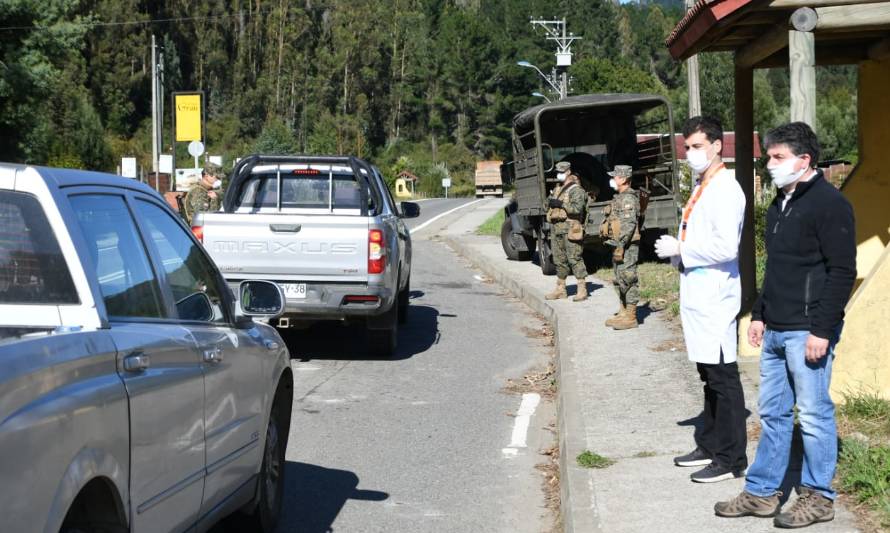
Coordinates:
[863,355]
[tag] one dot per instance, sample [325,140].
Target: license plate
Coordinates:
[296,291]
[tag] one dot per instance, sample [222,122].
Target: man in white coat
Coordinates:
[707,255]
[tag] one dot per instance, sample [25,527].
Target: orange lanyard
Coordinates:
[687,211]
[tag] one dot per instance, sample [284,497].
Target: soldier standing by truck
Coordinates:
[567,208]
[621,228]
[205,195]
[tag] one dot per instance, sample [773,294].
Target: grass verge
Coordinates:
[864,460]
[492,226]
[659,285]
[588,459]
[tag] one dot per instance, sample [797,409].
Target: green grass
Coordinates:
[492,226]
[864,461]
[588,459]
[644,454]
[659,285]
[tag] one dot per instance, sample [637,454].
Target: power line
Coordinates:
[146,22]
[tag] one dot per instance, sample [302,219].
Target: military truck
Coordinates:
[594,132]
[488,179]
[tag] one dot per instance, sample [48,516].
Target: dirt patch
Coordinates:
[549,470]
[541,381]
[670,345]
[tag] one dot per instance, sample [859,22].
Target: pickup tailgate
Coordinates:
[284,247]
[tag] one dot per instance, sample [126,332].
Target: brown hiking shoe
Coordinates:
[628,320]
[581,295]
[811,507]
[559,293]
[610,322]
[747,504]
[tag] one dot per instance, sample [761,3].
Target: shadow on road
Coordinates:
[314,496]
[337,341]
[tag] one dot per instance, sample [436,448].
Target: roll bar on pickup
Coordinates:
[242,172]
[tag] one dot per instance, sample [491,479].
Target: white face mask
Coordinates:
[784,174]
[562,176]
[698,160]
[613,184]
[217,184]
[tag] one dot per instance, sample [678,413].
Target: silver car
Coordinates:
[136,393]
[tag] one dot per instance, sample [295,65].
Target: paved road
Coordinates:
[416,443]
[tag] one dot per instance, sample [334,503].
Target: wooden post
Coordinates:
[802,57]
[744,174]
[692,76]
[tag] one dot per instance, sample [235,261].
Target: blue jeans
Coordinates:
[787,378]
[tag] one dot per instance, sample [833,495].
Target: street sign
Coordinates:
[165,164]
[215,159]
[446,182]
[128,167]
[188,108]
[196,148]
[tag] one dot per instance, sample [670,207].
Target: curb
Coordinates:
[577,501]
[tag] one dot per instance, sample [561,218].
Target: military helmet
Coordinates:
[563,166]
[214,170]
[623,171]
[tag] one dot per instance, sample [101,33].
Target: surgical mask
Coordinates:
[217,184]
[613,184]
[698,160]
[562,176]
[784,174]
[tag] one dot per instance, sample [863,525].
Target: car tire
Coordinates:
[545,257]
[383,342]
[270,485]
[404,301]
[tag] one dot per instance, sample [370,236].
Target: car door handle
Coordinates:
[136,362]
[213,355]
[271,345]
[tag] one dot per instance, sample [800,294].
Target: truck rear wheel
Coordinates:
[511,243]
[545,257]
[383,342]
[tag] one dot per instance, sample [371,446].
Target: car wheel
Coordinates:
[271,479]
[383,342]
[404,301]
[545,257]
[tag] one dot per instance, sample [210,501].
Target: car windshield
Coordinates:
[32,267]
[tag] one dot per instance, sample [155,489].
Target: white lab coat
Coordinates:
[710,287]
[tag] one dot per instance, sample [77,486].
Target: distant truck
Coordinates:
[593,132]
[488,179]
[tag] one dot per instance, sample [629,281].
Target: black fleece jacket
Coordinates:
[811,260]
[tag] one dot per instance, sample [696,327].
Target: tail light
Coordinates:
[376,252]
[198,232]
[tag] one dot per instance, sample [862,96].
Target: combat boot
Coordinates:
[581,295]
[559,293]
[617,316]
[628,320]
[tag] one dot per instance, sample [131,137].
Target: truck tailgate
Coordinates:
[330,248]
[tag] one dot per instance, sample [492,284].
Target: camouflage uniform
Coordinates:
[625,218]
[567,254]
[198,199]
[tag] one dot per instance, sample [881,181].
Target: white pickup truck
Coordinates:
[327,230]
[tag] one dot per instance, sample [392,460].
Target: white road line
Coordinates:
[527,408]
[437,217]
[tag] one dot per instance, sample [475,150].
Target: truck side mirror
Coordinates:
[260,299]
[410,210]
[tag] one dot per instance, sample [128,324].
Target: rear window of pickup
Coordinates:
[302,188]
[32,267]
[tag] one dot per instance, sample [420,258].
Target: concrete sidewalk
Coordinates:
[624,395]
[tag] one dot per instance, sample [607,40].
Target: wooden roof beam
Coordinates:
[773,41]
[793,4]
[842,18]
[880,50]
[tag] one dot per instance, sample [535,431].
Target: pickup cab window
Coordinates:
[190,275]
[128,284]
[32,267]
[303,189]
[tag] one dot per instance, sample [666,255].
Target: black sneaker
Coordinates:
[696,457]
[714,473]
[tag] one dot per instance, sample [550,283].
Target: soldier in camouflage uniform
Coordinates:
[206,195]
[567,209]
[621,228]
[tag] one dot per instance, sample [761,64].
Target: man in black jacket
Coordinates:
[810,271]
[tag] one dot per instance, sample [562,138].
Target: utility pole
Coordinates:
[556,31]
[154,106]
[692,74]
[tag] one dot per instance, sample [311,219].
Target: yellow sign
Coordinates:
[188,117]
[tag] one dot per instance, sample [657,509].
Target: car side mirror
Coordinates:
[260,299]
[410,210]
[195,306]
